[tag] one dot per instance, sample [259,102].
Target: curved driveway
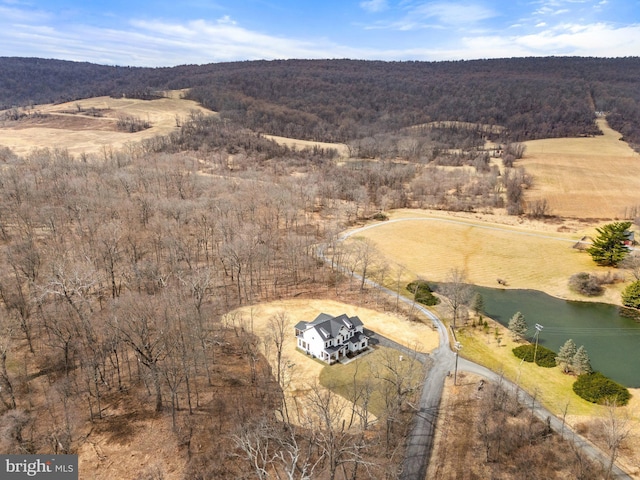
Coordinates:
[420,440]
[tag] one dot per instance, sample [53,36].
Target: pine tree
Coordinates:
[566,354]
[518,325]
[631,295]
[608,248]
[477,304]
[580,363]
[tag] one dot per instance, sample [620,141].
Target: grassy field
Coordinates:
[341,148]
[67,125]
[597,177]
[430,246]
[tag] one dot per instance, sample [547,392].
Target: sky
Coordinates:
[168,33]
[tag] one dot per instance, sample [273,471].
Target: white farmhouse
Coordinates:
[331,338]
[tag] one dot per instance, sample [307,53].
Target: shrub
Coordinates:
[423,293]
[585,284]
[544,357]
[380,216]
[132,124]
[596,388]
[631,295]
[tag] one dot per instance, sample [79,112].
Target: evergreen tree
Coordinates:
[608,248]
[518,325]
[631,295]
[580,363]
[566,354]
[477,304]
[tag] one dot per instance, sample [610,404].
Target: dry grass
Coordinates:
[68,128]
[430,246]
[596,177]
[306,371]
[341,148]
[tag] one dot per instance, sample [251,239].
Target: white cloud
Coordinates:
[599,40]
[452,13]
[11,14]
[374,6]
[167,43]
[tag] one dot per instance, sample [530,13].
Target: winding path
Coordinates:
[420,441]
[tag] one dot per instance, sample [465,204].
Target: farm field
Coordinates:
[66,127]
[595,178]
[429,246]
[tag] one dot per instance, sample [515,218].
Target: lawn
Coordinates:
[549,385]
[366,375]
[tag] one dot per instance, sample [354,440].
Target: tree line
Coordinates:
[341,100]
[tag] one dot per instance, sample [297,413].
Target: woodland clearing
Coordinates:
[305,371]
[70,126]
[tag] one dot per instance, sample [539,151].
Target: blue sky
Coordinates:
[167,33]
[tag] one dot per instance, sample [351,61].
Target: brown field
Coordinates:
[596,177]
[66,127]
[341,148]
[429,246]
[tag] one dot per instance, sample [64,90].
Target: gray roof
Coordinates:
[301,326]
[329,327]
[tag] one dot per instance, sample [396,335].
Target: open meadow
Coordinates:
[588,177]
[74,126]
[529,256]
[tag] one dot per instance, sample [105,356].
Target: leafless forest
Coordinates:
[116,271]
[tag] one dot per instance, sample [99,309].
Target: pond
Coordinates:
[612,341]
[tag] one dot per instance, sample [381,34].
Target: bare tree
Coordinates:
[257,444]
[632,263]
[457,293]
[142,325]
[337,444]
[399,379]
[615,430]
[366,254]
[12,432]
[7,394]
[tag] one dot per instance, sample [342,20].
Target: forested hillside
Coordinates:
[341,100]
[121,270]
